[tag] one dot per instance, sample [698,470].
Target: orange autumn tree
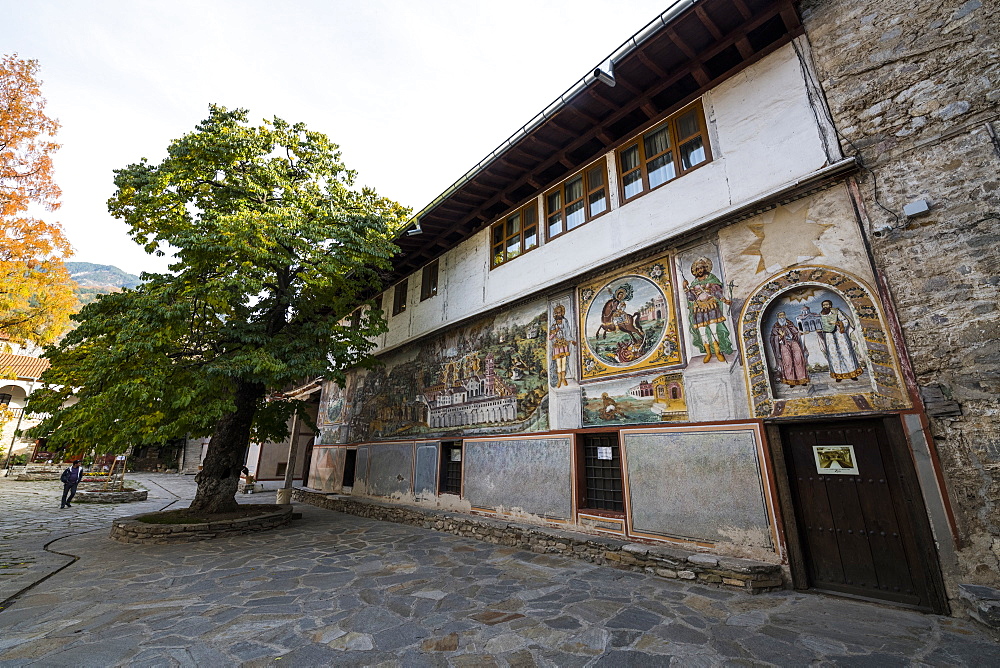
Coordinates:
[36,291]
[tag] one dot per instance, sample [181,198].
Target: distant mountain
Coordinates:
[87,275]
[99,279]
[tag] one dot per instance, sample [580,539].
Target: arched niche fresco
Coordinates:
[816,344]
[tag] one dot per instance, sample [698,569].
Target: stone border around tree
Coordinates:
[131,530]
[110,496]
[665,561]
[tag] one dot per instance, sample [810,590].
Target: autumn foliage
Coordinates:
[36,295]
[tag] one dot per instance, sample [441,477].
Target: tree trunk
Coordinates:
[220,474]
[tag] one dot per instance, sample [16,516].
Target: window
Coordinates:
[450,480]
[671,149]
[429,281]
[399,298]
[281,469]
[601,469]
[517,233]
[578,200]
[5,399]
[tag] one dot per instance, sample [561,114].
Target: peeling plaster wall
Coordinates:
[914,88]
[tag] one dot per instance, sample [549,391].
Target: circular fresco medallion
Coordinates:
[625,321]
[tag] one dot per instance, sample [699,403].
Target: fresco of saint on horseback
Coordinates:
[614,317]
[625,327]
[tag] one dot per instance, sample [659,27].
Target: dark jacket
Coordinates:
[67,476]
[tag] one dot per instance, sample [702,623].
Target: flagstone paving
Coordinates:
[333,589]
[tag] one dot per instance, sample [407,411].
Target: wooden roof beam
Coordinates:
[592,91]
[505,159]
[593,120]
[562,127]
[627,86]
[628,108]
[744,47]
[546,144]
[790,17]
[697,68]
[742,8]
[650,65]
[680,44]
[708,22]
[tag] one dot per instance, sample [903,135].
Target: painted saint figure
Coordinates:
[836,337]
[560,343]
[615,318]
[708,323]
[790,353]
[610,409]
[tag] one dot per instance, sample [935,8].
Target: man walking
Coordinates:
[70,479]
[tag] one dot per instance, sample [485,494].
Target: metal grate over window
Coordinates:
[602,472]
[451,468]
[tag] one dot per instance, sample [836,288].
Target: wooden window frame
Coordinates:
[429,281]
[676,143]
[588,190]
[498,250]
[399,296]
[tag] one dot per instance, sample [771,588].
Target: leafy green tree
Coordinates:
[274,250]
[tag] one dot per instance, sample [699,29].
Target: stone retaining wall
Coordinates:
[101,496]
[665,561]
[131,530]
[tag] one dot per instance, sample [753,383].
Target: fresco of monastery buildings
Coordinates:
[484,378]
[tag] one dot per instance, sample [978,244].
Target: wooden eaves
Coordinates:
[684,52]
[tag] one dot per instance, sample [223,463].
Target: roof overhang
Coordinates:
[684,52]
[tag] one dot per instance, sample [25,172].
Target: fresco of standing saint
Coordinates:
[705,298]
[790,353]
[558,339]
[836,337]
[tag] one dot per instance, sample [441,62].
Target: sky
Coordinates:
[415,92]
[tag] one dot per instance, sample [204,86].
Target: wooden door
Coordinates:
[861,523]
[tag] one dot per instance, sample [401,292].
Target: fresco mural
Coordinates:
[331,405]
[484,378]
[816,344]
[708,301]
[562,340]
[324,469]
[635,400]
[628,321]
[812,340]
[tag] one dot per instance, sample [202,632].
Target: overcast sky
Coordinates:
[415,92]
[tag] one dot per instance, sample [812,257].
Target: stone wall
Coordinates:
[914,89]
[665,561]
[116,496]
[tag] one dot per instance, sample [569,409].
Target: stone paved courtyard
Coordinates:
[335,589]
